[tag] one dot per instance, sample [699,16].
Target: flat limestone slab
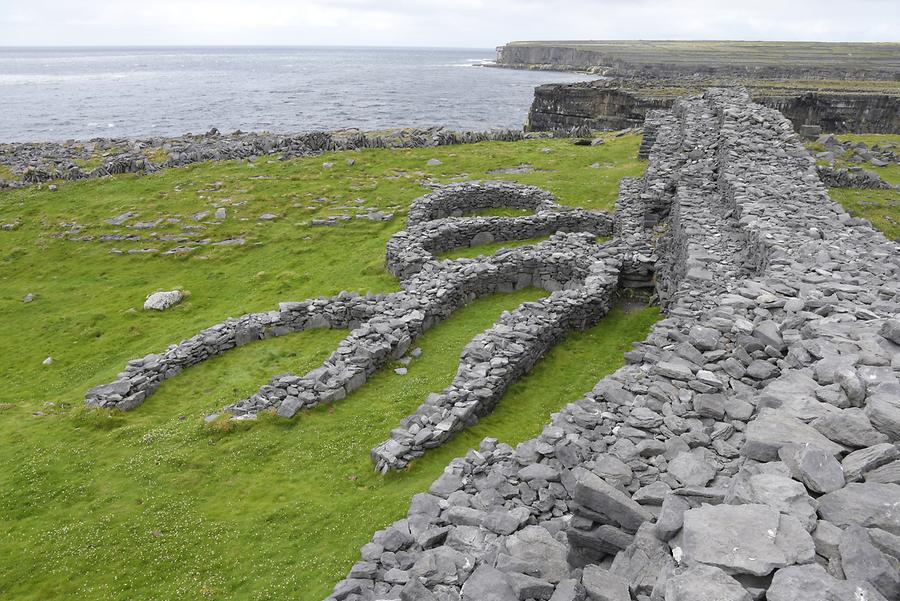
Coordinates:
[744,539]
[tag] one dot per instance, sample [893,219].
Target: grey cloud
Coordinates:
[472,23]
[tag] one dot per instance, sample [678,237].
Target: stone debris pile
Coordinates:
[749,448]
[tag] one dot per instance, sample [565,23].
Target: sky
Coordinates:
[446,23]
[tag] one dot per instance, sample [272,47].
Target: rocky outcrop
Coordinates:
[617,104]
[737,455]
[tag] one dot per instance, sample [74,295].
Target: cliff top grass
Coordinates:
[834,55]
[154,504]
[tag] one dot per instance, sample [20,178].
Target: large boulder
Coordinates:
[487,584]
[867,504]
[773,429]
[812,583]
[744,539]
[818,470]
[593,493]
[535,546]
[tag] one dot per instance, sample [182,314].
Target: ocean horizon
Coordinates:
[84,92]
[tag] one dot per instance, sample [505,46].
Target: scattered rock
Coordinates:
[160,301]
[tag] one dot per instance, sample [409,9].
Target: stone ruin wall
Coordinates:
[748,449]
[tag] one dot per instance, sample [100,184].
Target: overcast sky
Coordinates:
[460,23]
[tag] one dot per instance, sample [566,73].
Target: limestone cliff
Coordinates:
[617,104]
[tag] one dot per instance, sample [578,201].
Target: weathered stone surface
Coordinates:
[812,583]
[671,516]
[819,471]
[883,411]
[487,584]
[641,563]
[869,504]
[861,461]
[890,329]
[568,590]
[888,473]
[601,585]
[535,545]
[160,301]
[744,539]
[528,587]
[691,470]
[776,491]
[416,591]
[771,430]
[704,583]
[598,496]
[861,560]
[849,427]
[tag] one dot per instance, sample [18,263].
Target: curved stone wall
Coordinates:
[435,224]
[581,276]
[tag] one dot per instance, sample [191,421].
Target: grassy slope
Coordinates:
[152,504]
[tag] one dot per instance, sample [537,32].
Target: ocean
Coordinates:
[81,93]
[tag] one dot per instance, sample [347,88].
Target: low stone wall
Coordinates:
[32,163]
[428,298]
[748,449]
[581,275]
[462,198]
[858,178]
[435,224]
[502,355]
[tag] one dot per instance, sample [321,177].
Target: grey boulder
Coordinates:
[867,504]
[536,546]
[487,584]
[704,583]
[744,539]
[819,471]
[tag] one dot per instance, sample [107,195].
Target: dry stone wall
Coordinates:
[580,274]
[748,449]
[31,163]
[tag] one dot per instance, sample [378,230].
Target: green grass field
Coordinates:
[881,207]
[155,505]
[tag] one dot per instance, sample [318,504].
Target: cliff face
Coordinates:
[607,105]
[869,113]
[567,106]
